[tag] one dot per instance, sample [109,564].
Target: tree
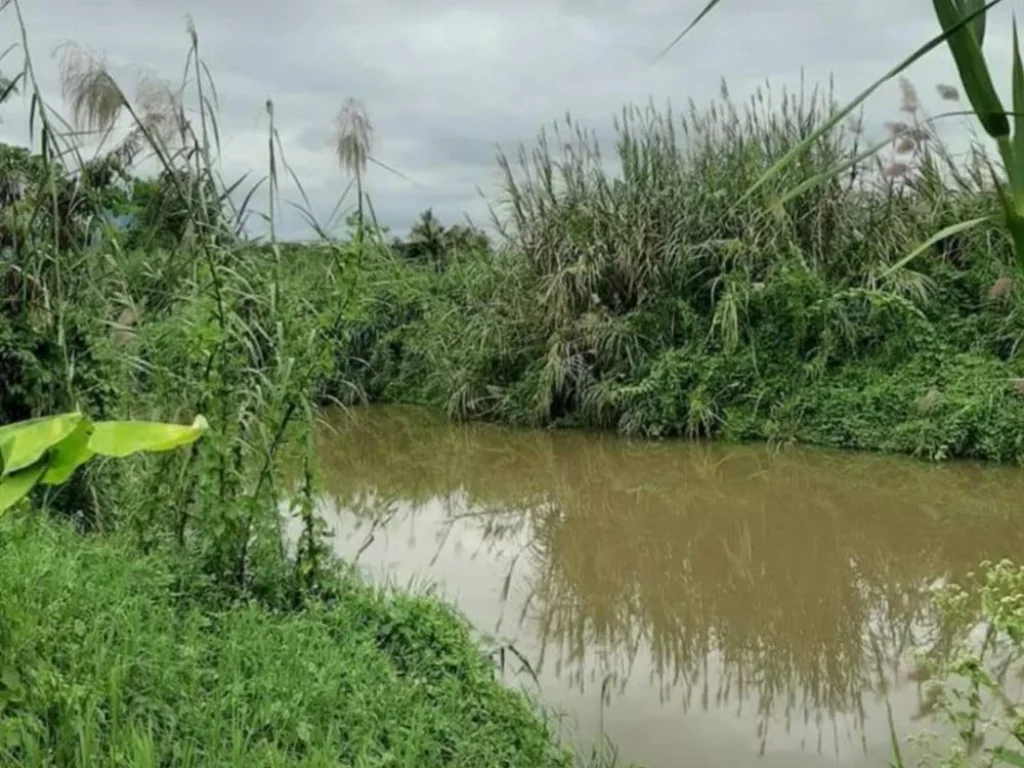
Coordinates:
[461,239]
[426,240]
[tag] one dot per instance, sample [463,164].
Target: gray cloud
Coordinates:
[446,81]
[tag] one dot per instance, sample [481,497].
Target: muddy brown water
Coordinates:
[693,604]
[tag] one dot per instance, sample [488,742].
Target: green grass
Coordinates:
[661,299]
[106,664]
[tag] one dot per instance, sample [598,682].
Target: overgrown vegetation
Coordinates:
[156,615]
[108,664]
[682,294]
[658,300]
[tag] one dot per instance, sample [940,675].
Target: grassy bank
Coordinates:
[152,612]
[110,660]
[658,300]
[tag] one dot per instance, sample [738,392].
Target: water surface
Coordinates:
[699,605]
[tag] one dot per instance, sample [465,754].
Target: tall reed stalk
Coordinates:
[963,24]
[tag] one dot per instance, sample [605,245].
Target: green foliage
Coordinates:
[105,663]
[664,300]
[49,449]
[970,670]
[429,241]
[723,282]
[176,315]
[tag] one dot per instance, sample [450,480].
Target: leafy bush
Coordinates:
[969,670]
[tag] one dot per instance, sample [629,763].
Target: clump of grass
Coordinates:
[103,664]
[661,298]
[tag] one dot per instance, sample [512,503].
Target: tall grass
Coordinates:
[206,326]
[147,678]
[671,226]
[963,25]
[192,558]
[672,293]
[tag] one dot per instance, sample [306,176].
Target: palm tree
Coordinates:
[426,239]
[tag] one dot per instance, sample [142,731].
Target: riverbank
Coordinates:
[661,299]
[116,658]
[935,377]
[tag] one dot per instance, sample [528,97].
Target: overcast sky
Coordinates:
[445,81]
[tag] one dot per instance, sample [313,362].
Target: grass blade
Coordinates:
[977,27]
[700,16]
[970,63]
[942,234]
[1015,164]
[827,126]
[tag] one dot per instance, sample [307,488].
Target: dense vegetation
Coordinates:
[655,300]
[152,611]
[150,677]
[659,301]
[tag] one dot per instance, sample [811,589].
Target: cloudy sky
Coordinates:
[446,81]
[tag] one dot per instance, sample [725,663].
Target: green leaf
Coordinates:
[1014,221]
[24,443]
[1016,225]
[1009,756]
[1015,161]
[952,229]
[69,454]
[123,438]
[977,27]
[15,487]
[704,12]
[971,65]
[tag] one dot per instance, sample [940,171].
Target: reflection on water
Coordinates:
[707,605]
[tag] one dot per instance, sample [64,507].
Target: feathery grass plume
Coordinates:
[160,107]
[910,103]
[353,142]
[92,93]
[353,136]
[97,102]
[962,25]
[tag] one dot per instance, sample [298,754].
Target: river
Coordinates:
[696,604]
